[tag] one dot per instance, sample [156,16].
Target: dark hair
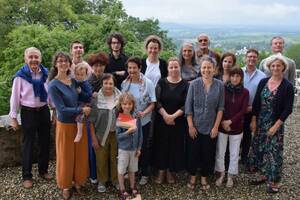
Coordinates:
[135,60]
[57,55]
[238,71]
[226,54]
[119,37]
[154,39]
[107,76]
[75,42]
[96,58]
[123,97]
[252,50]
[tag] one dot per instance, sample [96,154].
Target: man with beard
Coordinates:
[30,95]
[117,58]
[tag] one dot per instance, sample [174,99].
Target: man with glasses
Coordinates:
[277,46]
[203,49]
[117,58]
[252,77]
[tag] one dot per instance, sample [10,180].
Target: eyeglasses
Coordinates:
[61,61]
[204,40]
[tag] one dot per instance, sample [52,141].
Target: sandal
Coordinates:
[205,187]
[134,191]
[258,181]
[272,188]
[160,177]
[123,195]
[191,185]
[66,194]
[170,178]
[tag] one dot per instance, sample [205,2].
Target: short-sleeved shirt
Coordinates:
[144,93]
[204,106]
[251,82]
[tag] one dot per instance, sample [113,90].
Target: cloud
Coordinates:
[216,11]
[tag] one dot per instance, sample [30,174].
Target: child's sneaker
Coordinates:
[101,188]
[143,180]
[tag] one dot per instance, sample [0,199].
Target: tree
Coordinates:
[293,52]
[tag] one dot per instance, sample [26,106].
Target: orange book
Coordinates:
[126,121]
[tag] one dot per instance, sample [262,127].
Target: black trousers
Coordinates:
[35,122]
[144,161]
[247,137]
[201,154]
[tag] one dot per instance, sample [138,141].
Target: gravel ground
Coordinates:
[11,183]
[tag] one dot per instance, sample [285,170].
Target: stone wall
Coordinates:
[10,145]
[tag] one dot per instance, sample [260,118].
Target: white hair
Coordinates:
[32,49]
[273,58]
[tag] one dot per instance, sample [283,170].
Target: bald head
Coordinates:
[203,41]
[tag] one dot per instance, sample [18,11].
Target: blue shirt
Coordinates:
[251,82]
[65,99]
[144,94]
[204,107]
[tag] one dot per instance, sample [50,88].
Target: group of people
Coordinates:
[117,116]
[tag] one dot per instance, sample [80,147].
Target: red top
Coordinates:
[236,104]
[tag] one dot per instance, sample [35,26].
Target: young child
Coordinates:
[130,138]
[84,88]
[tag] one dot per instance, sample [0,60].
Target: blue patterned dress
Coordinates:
[266,153]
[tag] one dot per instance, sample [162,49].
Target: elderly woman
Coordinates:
[204,109]
[144,93]
[227,61]
[29,94]
[103,117]
[170,123]
[71,157]
[153,67]
[273,103]
[187,59]
[231,129]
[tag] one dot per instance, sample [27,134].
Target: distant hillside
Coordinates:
[232,37]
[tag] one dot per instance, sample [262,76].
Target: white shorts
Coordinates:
[127,159]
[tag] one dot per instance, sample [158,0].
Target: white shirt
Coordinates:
[153,72]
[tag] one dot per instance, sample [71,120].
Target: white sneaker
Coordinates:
[93,181]
[229,182]
[219,181]
[101,188]
[143,180]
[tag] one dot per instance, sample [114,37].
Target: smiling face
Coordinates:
[77,50]
[62,64]
[153,50]
[277,45]
[207,70]
[174,69]
[127,106]
[227,63]
[33,59]
[133,70]
[187,52]
[277,68]
[251,59]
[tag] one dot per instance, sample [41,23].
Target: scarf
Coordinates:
[37,84]
[233,88]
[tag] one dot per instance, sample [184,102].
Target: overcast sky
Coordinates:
[215,12]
